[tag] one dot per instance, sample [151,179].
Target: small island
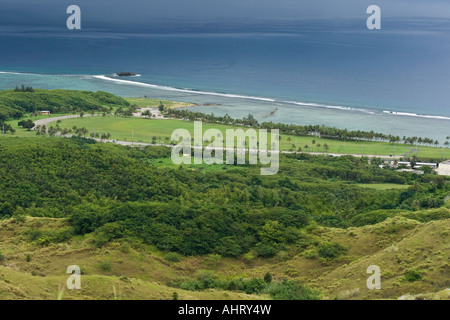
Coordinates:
[126,74]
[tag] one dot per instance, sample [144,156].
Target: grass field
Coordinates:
[144,102]
[382,186]
[143,130]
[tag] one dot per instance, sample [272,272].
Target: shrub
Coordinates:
[254,285]
[291,290]
[2,257]
[100,239]
[172,257]
[20,218]
[265,250]
[191,285]
[228,247]
[125,248]
[331,250]
[310,254]
[106,233]
[249,257]
[268,278]
[106,265]
[413,275]
[213,259]
[34,234]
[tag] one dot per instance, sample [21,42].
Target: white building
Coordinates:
[444,168]
[154,113]
[418,165]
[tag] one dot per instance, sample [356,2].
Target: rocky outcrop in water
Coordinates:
[126,74]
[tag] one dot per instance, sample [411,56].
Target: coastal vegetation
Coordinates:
[117,192]
[141,227]
[118,211]
[125,127]
[160,131]
[18,103]
[298,130]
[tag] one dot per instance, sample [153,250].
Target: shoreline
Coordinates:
[289,112]
[385,111]
[367,110]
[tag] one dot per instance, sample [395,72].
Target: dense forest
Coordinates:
[120,192]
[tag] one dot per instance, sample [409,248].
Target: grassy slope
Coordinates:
[144,271]
[122,128]
[396,245]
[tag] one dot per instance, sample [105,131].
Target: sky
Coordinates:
[143,14]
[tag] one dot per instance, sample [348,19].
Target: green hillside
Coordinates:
[15,104]
[141,228]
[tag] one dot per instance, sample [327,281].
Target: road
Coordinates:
[137,144]
[46,121]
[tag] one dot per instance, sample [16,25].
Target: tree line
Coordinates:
[304,130]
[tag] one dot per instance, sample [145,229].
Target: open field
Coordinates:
[143,130]
[383,186]
[144,102]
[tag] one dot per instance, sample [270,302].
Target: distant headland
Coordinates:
[126,74]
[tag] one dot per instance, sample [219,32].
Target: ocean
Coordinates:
[337,73]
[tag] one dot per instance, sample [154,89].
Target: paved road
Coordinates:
[46,121]
[137,144]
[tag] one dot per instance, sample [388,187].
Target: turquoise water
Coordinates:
[436,127]
[393,81]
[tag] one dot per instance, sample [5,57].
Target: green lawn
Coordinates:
[144,102]
[144,130]
[21,132]
[383,186]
